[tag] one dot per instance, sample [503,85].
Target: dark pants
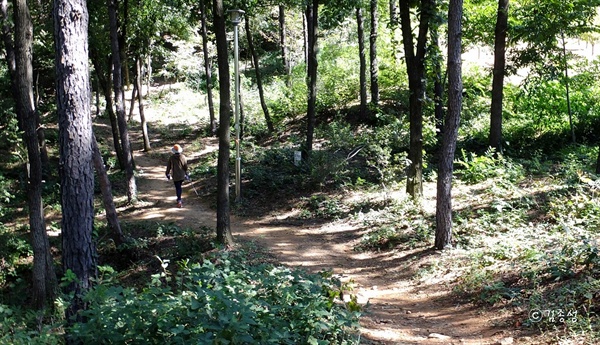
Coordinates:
[178,189]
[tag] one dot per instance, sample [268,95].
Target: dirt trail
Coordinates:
[401,309]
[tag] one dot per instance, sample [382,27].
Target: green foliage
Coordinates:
[222,301]
[475,169]
[287,99]
[395,223]
[479,22]
[6,196]
[19,327]
[540,26]
[339,77]
[322,207]
[13,248]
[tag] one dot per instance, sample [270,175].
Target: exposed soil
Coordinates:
[401,309]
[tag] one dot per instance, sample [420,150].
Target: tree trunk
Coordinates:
[438,84]
[207,70]
[443,216]
[312,11]
[75,146]
[132,103]
[149,68]
[415,65]
[122,31]
[363,64]
[259,83]
[10,55]
[498,76]
[373,55]
[282,42]
[138,86]
[44,277]
[120,102]
[224,235]
[107,196]
[105,81]
[305,38]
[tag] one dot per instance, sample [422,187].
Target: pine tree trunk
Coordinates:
[373,55]
[438,85]
[415,64]
[132,103]
[259,83]
[107,196]
[138,86]
[75,146]
[363,64]
[498,76]
[443,230]
[120,102]
[105,80]
[44,277]
[312,11]
[224,235]
[207,69]
[282,41]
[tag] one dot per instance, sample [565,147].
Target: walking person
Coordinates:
[177,166]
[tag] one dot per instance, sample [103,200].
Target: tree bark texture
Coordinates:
[120,101]
[443,231]
[415,65]
[207,69]
[498,75]
[44,276]
[438,88]
[107,196]
[224,235]
[282,41]
[138,86]
[7,37]
[363,63]
[104,79]
[259,83]
[132,103]
[374,70]
[312,11]
[75,145]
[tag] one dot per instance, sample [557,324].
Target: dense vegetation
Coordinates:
[526,220]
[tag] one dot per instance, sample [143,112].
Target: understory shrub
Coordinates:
[222,301]
[474,169]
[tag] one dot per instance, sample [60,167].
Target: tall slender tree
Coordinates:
[224,235]
[282,40]
[363,63]
[75,146]
[498,75]
[105,80]
[44,277]
[443,216]
[207,68]
[259,83]
[312,11]
[120,101]
[107,197]
[374,70]
[415,65]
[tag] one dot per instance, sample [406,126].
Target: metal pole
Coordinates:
[238,159]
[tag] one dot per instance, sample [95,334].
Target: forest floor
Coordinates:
[399,306]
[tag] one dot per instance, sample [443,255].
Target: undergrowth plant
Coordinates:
[223,301]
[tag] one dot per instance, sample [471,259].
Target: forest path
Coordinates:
[402,309]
